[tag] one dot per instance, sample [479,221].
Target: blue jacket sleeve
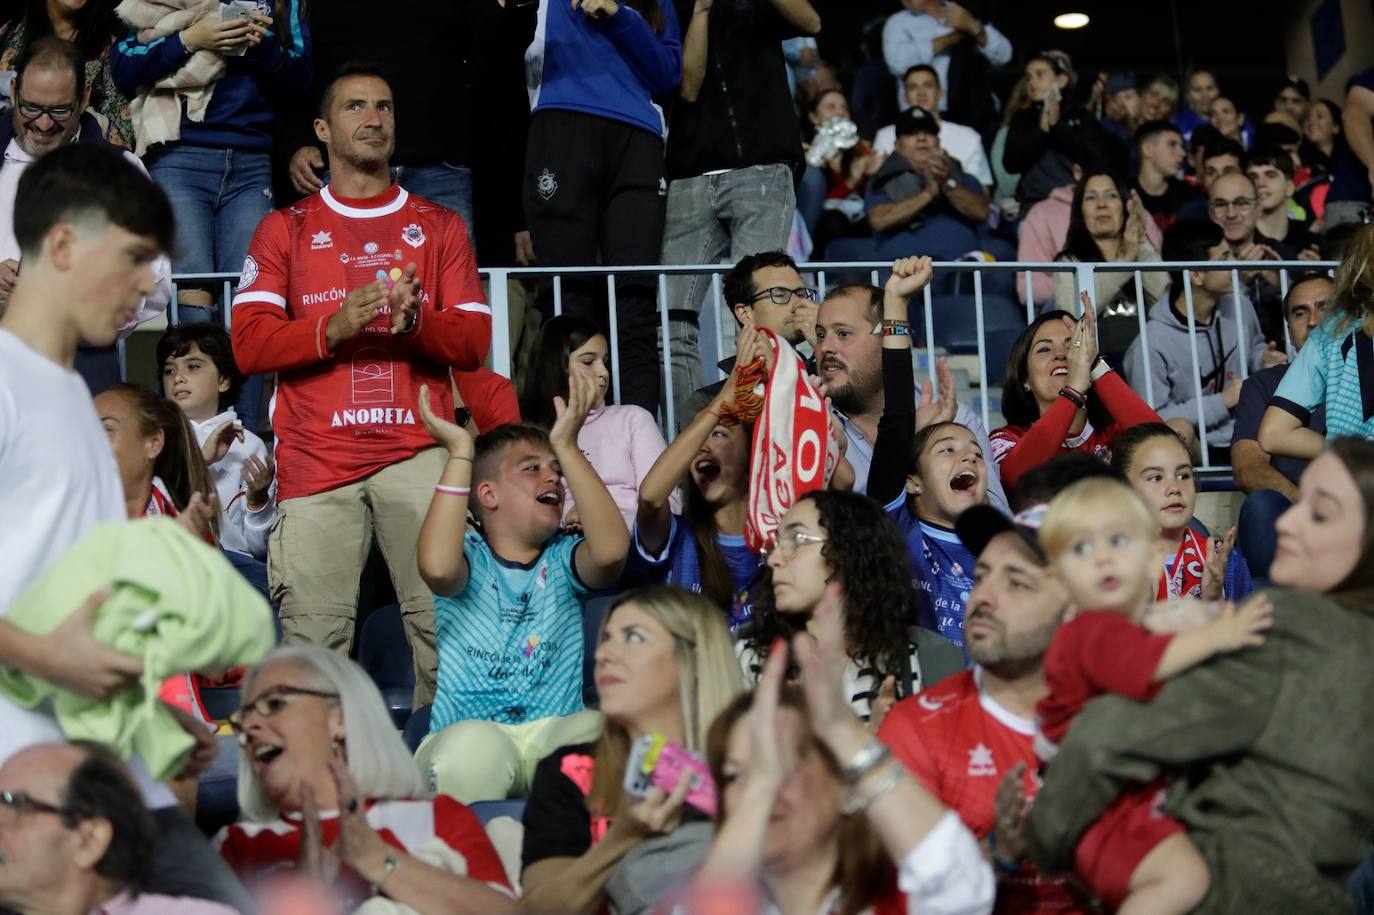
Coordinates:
[1237,583]
[135,65]
[290,67]
[656,59]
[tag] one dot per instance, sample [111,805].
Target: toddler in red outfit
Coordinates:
[1102,541]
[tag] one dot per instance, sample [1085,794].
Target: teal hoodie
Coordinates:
[174,602]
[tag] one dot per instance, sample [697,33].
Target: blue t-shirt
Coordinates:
[678,564]
[941,566]
[510,645]
[1336,369]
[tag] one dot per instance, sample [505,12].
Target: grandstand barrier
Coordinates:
[828,275]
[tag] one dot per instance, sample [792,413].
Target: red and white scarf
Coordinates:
[1184,579]
[794,450]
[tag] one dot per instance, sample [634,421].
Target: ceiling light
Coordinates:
[1071,20]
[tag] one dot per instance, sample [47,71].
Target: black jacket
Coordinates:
[743,114]
[1045,160]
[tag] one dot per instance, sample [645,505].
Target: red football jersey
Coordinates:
[958,742]
[341,416]
[1093,654]
[254,849]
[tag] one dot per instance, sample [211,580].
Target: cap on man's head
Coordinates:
[916,120]
[1120,82]
[977,527]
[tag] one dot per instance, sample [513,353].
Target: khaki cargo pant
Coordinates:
[319,545]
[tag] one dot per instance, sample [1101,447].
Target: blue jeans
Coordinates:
[218,198]
[442,183]
[1259,513]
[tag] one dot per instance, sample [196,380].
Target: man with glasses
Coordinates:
[1271,481]
[764,290]
[75,837]
[51,95]
[1233,204]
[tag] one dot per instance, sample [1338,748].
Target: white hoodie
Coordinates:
[240,530]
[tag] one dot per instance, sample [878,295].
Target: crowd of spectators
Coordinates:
[829,645]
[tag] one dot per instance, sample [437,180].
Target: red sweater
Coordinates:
[1017,449]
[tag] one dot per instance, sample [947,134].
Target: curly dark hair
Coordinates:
[867,555]
[1018,403]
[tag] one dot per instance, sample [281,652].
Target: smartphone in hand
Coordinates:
[656,762]
[232,12]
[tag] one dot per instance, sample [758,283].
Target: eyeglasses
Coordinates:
[781,295]
[276,700]
[1241,204]
[15,804]
[788,544]
[31,112]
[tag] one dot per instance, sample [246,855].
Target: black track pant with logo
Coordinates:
[595,193]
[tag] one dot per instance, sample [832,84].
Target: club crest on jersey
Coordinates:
[320,241]
[370,248]
[413,235]
[546,184]
[249,276]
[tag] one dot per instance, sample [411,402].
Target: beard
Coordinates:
[1012,655]
[858,393]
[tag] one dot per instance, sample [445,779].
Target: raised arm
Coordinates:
[694,46]
[439,552]
[599,558]
[799,14]
[653,518]
[1357,118]
[897,425]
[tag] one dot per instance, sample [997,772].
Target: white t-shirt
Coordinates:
[962,143]
[57,479]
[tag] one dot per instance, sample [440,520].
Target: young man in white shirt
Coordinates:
[90,227]
[921,89]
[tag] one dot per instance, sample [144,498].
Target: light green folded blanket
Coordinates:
[174,602]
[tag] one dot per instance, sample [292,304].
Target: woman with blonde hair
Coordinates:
[327,788]
[664,665]
[1334,368]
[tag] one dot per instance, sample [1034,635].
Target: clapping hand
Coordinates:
[571,413]
[1133,233]
[1083,347]
[1011,810]
[257,479]
[200,510]
[1274,356]
[444,431]
[597,9]
[1214,569]
[221,440]
[404,298]
[930,411]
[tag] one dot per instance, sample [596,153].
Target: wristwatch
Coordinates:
[462,416]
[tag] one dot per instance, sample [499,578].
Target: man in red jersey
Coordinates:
[961,736]
[355,297]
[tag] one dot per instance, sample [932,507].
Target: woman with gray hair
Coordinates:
[327,786]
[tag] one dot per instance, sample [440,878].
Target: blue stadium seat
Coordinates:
[217,801]
[384,652]
[593,612]
[417,727]
[219,701]
[489,810]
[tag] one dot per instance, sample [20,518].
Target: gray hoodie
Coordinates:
[1170,363]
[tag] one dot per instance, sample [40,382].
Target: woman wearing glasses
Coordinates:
[327,787]
[842,537]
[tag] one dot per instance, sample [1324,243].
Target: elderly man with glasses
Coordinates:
[75,837]
[1233,204]
[50,98]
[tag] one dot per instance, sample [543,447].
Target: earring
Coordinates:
[337,746]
